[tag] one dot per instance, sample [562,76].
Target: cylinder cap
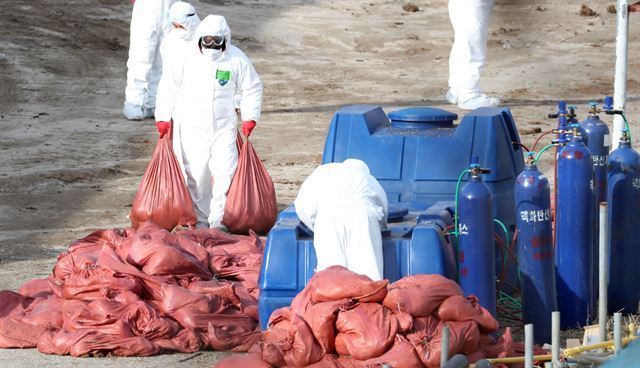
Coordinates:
[608,103]
[475,162]
[562,105]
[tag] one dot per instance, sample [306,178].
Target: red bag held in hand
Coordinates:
[251,201]
[163,196]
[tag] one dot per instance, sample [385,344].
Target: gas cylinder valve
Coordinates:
[531,158]
[625,136]
[475,169]
[576,132]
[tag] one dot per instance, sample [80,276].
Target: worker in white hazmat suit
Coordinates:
[470,21]
[174,49]
[214,72]
[346,208]
[149,24]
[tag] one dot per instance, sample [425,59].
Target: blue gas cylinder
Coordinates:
[535,249]
[595,135]
[623,195]
[574,240]
[476,251]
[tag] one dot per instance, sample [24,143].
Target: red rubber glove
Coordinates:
[247,127]
[163,127]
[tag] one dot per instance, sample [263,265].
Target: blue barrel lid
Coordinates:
[422,114]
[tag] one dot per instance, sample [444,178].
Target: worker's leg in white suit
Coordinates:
[328,238]
[144,39]
[363,242]
[196,147]
[470,21]
[154,79]
[222,164]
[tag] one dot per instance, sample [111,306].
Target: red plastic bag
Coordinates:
[365,331]
[463,338]
[459,308]
[401,354]
[321,317]
[337,282]
[420,295]
[289,341]
[163,196]
[251,201]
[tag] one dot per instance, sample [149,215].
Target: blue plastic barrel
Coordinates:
[574,241]
[418,153]
[535,250]
[623,196]
[477,271]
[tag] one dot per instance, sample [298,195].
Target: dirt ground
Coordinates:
[71,163]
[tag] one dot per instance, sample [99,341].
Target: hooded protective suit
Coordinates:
[149,24]
[174,50]
[470,21]
[346,208]
[206,130]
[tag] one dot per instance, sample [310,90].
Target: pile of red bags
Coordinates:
[138,293]
[342,319]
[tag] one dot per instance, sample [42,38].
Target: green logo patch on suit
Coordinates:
[223,76]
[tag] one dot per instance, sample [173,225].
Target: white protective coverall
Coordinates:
[149,24]
[206,117]
[346,208]
[174,49]
[470,21]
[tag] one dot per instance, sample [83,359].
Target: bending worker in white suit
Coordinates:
[346,208]
[149,24]
[205,133]
[470,21]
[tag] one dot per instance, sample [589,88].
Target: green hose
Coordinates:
[509,301]
[455,218]
[626,124]
[541,151]
[506,232]
[506,251]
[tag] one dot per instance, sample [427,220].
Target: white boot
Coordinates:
[452,96]
[149,112]
[476,101]
[132,112]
